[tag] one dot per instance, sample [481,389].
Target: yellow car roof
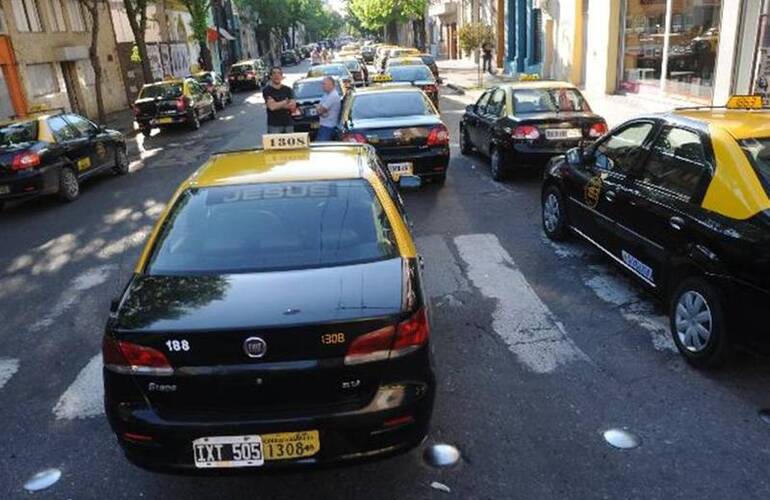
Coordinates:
[319,162]
[741,124]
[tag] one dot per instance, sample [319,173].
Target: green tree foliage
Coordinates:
[473,36]
[374,15]
[199,10]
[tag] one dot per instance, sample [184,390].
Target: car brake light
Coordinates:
[597,130]
[526,132]
[390,342]
[23,161]
[431,89]
[438,135]
[181,104]
[354,138]
[127,357]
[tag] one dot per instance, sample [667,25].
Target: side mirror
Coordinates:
[470,108]
[409,182]
[575,156]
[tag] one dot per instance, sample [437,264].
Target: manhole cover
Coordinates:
[441,455]
[621,438]
[42,480]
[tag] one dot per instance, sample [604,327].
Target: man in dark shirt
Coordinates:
[279,100]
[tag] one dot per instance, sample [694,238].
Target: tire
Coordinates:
[496,166]
[440,179]
[554,215]
[229,99]
[195,121]
[146,131]
[213,114]
[69,186]
[122,164]
[219,102]
[465,142]
[697,324]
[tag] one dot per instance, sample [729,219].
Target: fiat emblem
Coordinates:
[254,347]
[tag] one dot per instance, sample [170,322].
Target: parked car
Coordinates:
[216,86]
[526,123]
[417,75]
[367,52]
[335,69]
[430,62]
[173,102]
[307,93]
[290,57]
[52,153]
[251,74]
[358,70]
[681,201]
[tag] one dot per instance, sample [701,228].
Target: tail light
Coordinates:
[181,104]
[526,132]
[354,138]
[126,357]
[430,89]
[597,130]
[438,136]
[390,342]
[23,161]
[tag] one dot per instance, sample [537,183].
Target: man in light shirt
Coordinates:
[328,111]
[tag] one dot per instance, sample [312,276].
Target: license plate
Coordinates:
[311,112]
[253,450]
[165,120]
[563,133]
[5,189]
[399,169]
[315,125]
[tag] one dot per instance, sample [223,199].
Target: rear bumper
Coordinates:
[162,120]
[426,163]
[28,184]
[542,152]
[306,124]
[243,84]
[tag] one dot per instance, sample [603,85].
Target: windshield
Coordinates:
[390,105]
[427,59]
[309,90]
[239,69]
[548,101]
[18,133]
[758,152]
[410,73]
[162,90]
[275,226]
[332,70]
[352,65]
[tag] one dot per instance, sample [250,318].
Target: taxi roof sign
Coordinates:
[744,102]
[298,140]
[382,77]
[529,77]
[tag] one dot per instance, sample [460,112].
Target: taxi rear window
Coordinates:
[390,105]
[163,90]
[272,226]
[758,152]
[307,90]
[548,101]
[410,73]
[18,133]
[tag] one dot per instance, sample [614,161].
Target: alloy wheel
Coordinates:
[70,188]
[693,321]
[551,212]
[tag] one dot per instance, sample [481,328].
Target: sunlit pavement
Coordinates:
[539,349]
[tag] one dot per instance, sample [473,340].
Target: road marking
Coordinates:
[520,318]
[8,367]
[85,396]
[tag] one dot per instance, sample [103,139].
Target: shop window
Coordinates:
[42,79]
[26,15]
[55,15]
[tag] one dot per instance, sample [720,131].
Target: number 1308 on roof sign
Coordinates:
[286,141]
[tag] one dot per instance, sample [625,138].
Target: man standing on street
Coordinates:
[329,111]
[279,100]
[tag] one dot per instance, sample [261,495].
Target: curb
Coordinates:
[457,88]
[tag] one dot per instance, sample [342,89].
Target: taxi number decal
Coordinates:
[286,141]
[637,265]
[253,193]
[333,338]
[177,345]
[593,191]
[84,163]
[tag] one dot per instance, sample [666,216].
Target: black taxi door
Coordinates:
[101,148]
[488,120]
[76,146]
[473,115]
[597,188]
[663,198]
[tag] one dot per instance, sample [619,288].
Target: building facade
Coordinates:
[446,17]
[44,58]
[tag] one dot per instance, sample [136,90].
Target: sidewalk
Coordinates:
[462,77]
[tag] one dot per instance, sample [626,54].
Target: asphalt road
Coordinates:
[539,348]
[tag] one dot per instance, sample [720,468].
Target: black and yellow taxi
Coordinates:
[307,94]
[403,125]
[682,202]
[337,70]
[411,71]
[215,85]
[249,74]
[53,152]
[171,103]
[276,317]
[526,123]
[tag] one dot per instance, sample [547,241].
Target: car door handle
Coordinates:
[676,223]
[610,196]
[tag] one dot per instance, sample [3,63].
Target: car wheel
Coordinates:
[496,165]
[121,161]
[698,325]
[440,179]
[554,216]
[229,98]
[146,131]
[219,102]
[213,114]
[195,122]
[465,142]
[69,186]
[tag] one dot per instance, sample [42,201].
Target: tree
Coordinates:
[91,7]
[376,15]
[136,10]
[473,36]
[199,10]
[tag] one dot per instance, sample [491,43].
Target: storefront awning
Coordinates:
[223,33]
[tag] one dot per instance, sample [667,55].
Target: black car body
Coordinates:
[49,154]
[404,127]
[171,103]
[290,57]
[307,93]
[205,346]
[430,62]
[682,202]
[367,52]
[357,70]
[528,123]
[251,74]
[418,76]
[337,70]
[216,86]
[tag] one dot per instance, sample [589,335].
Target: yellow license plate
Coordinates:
[84,163]
[288,445]
[165,120]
